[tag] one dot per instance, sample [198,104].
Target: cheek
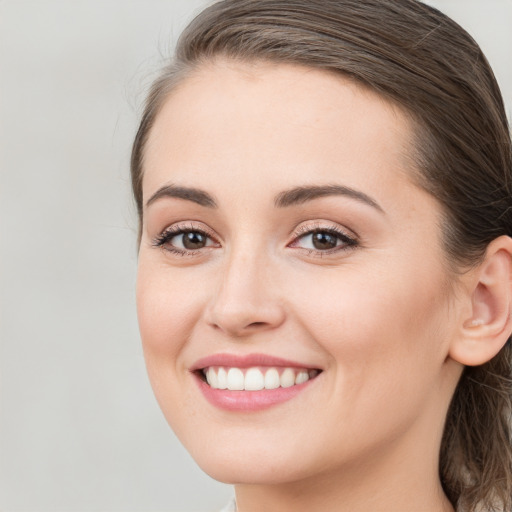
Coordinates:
[167,305]
[366,310]
[167,310]
[166,314]
[386,336]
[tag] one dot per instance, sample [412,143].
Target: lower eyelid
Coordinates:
[162,240]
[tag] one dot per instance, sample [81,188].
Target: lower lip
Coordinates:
[249,400]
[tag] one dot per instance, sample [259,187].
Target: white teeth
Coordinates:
[235,379]
[272,379]
[287,378]
[212,379]
[255,379]
[301,377]
[222,379]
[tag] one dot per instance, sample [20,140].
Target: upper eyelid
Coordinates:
[299,231]
[183,227]
[175,229]
[302,229]
[348,240]
[324,226]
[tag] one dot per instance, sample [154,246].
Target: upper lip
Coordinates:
[246,361]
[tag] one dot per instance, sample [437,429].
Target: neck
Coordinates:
[345,494]
[336,495]
[398,478]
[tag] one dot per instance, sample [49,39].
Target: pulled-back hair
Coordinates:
[414,56]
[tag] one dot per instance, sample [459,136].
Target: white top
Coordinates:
[230,507]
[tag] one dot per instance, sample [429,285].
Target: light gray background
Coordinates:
[80,429]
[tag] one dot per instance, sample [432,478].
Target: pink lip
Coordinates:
[249,400]
[247,361]
[245,401]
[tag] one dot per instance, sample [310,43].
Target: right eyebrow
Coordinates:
[300,195]
[189,194]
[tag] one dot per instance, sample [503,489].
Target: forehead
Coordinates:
[273,121]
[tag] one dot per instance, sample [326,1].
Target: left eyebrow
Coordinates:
[195,195]
[300,195]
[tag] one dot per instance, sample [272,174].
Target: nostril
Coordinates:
[256,324]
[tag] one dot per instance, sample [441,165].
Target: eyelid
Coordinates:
[318,224]
[349,238]
[321,225]
[160,240]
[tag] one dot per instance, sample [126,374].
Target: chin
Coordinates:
[249,471]
[262,461]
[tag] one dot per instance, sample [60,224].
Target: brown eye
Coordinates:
[186,241]
[193,240]
[323,241]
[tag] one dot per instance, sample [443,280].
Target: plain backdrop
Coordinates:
[80,428]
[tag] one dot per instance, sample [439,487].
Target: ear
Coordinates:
[486,323]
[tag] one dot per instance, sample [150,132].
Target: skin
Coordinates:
[379,318]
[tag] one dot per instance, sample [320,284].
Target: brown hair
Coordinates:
[418,58]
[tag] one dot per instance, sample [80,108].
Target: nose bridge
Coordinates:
[246,298]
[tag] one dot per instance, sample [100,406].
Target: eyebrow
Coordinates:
[292,197]
[195,195]
[300,195]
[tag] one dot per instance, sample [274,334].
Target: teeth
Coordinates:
[272,379]
[287,378]
[222,378]
[212,378]
[235,379]
[301,377]
[255,379]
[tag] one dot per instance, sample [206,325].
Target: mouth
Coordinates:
[255,378]
[251,382]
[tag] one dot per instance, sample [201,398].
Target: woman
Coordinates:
[325,276]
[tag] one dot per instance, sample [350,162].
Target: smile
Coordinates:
[251,382]
[256,378]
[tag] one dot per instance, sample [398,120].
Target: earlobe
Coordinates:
[485,329]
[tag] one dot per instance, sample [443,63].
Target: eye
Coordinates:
[184,240]
[323,240]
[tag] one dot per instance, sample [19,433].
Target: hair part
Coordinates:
[418,58]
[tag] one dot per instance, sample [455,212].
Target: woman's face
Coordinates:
[283,239]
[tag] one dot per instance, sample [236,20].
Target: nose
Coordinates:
[247,299]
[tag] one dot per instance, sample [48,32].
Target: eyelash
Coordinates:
[348,242]
[162,240]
